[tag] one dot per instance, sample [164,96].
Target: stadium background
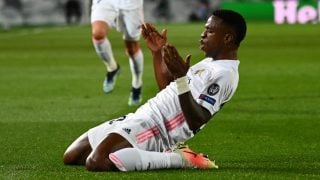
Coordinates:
[35,12]
[50,93]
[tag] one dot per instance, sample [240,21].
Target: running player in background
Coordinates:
[189,98]
[126,16]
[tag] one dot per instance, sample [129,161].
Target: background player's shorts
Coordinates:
[127,21]
[136,130]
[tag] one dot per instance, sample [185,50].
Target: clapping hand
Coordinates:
[175,64]
[154,40]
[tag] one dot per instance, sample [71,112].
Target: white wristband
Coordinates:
[182,85]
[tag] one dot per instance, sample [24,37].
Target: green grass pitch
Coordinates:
[51,92]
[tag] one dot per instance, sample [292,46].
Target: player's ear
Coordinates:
[228,38]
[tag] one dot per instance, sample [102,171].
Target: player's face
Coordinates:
[212,39]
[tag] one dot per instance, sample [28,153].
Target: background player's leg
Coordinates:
[102,45]
[78,151]
[98,160]
[136,66]
[103,48]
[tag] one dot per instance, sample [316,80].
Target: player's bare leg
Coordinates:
[136,66]
[103,48]
[98,160]
[78,151]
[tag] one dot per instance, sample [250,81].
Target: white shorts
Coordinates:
[127,21]
[138,132]
[142,132]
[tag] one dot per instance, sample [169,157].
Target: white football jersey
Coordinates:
[159,124]
[212,83]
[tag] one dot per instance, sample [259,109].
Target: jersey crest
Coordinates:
[213,89]
[200,71]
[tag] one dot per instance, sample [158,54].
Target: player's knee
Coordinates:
[132,48]
[98,35]
[132,51]
[98,164]
[92,165]
[69,158]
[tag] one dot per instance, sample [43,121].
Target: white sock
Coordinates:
[104,50]
[136,67]
[133,159]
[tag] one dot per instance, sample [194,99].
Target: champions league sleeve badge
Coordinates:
[213,89]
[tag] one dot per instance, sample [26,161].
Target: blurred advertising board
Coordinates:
[279,11]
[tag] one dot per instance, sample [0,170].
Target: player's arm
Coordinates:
[195,114]
[155,41]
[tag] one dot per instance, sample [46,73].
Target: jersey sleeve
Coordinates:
[215,92]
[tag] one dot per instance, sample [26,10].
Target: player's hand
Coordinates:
[154,40]
[175,64]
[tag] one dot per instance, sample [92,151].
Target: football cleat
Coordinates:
[110,80]
[135,97]
[194,160]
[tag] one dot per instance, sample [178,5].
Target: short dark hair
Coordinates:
[235,21]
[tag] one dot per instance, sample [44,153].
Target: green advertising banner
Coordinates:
[251,10]
[280,11]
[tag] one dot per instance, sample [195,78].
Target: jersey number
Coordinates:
[116,120]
